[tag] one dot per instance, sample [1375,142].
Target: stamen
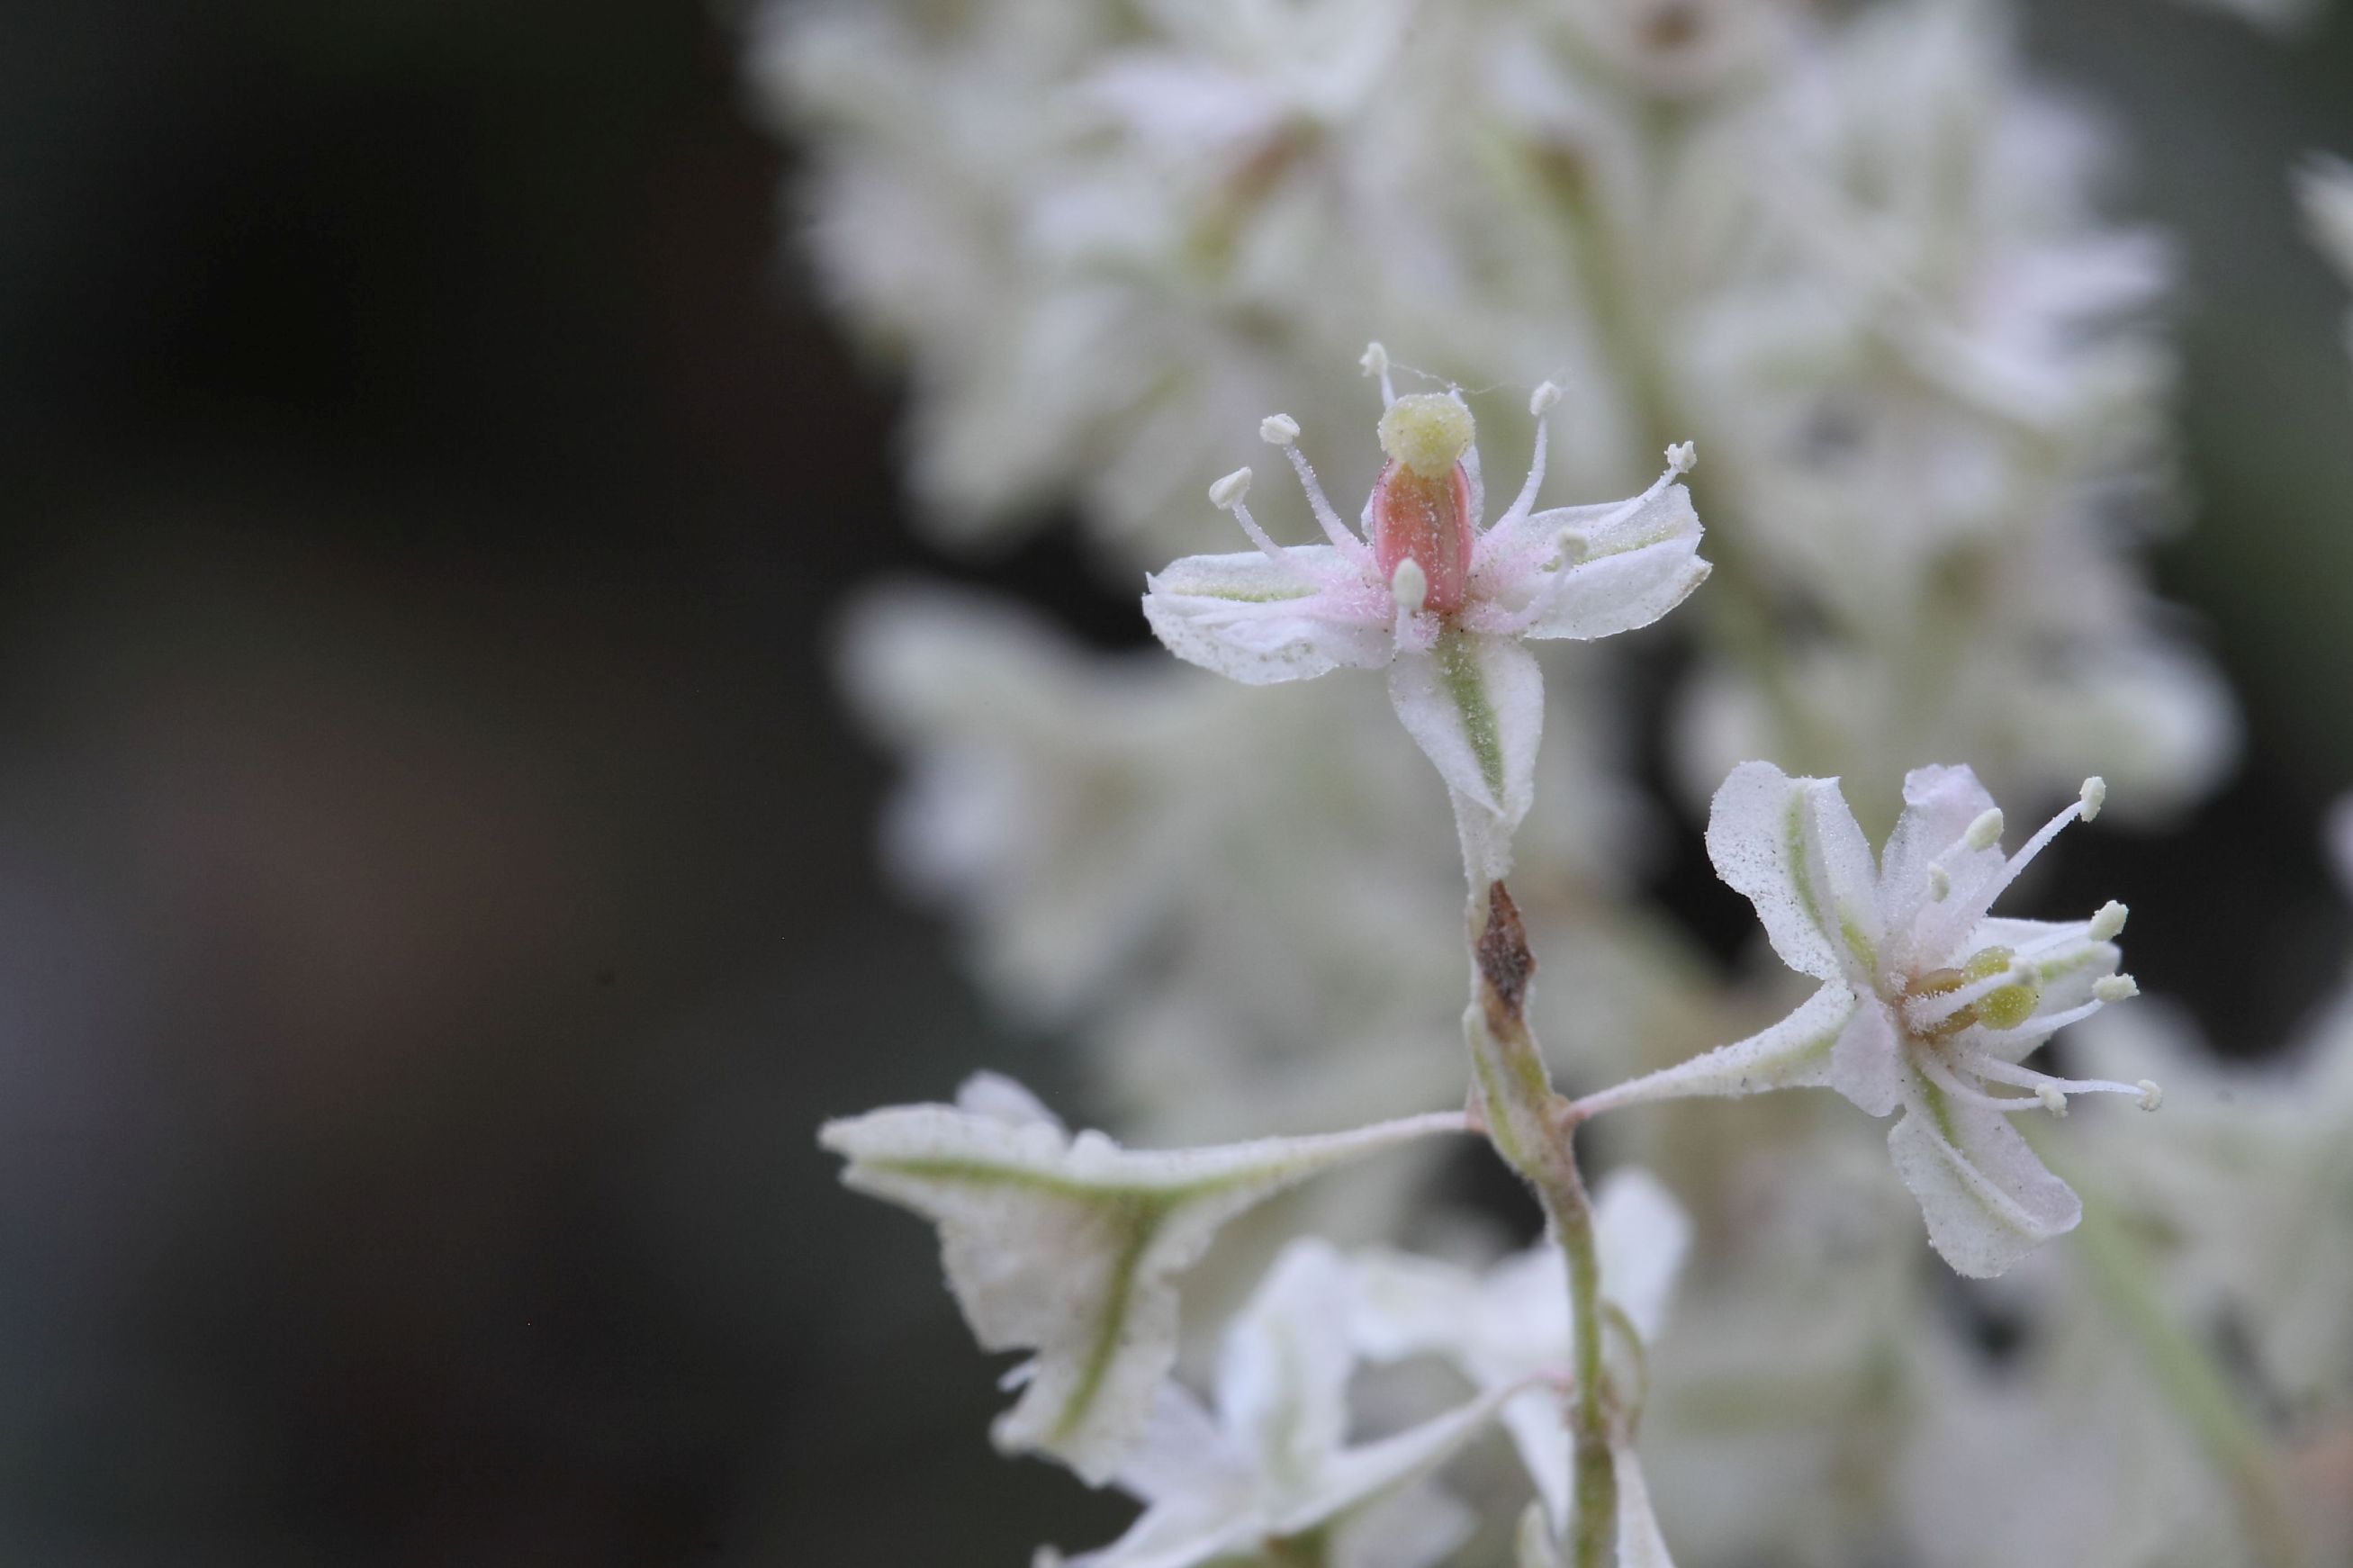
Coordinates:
[2036,1029]
[1377,363]
[1682,457]
[1986,831]
[2115,987]
[1942,1076]
[2094,796]
[2108,923]
[2152,1094]
[1999,1071]
[2052,1100]
[1525,503]
[1350,547]
[1410,586]
[1227,492]
[1278,429]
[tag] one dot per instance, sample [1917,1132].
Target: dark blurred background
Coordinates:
[436,901]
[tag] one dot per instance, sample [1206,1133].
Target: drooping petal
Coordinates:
[1631,569]
[1260,621]
[1792,847]
[1988,1199]
[1070,1247]
[1940,805]
[1792,1054]
[1475,706]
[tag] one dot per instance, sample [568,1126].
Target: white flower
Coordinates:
[1513,1328]
[1441,602]
[1273,1465]
[1070,1246]
[1928,1001]
[2324,185]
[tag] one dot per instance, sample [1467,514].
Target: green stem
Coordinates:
[1530,1125]
[2192,1383]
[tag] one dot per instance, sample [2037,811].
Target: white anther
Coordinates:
[2052,1100]
[1682,457]
[1941,883]
[1410,586]
[2114,988]
[1986,831]
[1375,361]
[2095,795]
[2152,1094]
[1227,492]
[1278,429]
[1544,400]
[2108,922]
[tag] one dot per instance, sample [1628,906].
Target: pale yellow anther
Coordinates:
[1227,492]
[1428,432]
[1682,457]
[1986,831]
[2114,988]
[1941,883]
[2152,1094]
[1278,429]
[2108,922]
[1410,586]
[2095,795]
[2052,1100]
[1376,360]
[1544,400]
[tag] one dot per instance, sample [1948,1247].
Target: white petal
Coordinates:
[1533,1544]
[1639,1542]
[1641,1234]
[1282,1377]
[1407,1306]
[1001,1098]
[1475,706]
[1792,1054]
[1416,1526]
[1357,1475]
[1794,848]
[1071,1246]
[1258,622]
[1540,1437]
[1867,1062]
[1182,1452]
[1940,804]
[1989,1200]
[1630,573]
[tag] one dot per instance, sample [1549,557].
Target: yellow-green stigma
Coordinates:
[1428,432]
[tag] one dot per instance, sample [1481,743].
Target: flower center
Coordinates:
[1421,504]
[1974,999]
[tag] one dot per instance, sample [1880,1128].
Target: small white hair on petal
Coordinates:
[1543,400]
[1230,492]
[2094,796]
[2116,988]
[2108,921]
[1278,429]
[1682,457]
